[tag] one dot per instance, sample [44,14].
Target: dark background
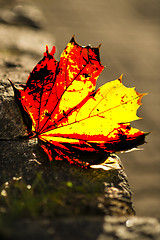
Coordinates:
[129,32]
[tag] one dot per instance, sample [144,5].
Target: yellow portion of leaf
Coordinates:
[113,104]
[88,129]
[58,139]
[75,93]
[113,101]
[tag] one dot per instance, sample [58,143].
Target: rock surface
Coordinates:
[109,228]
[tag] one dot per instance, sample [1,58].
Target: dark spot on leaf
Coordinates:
[64,114]
[48,114]
[86,75]
[128,127]
[122,137]
[93,94]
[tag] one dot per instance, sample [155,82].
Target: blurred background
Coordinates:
[129,32]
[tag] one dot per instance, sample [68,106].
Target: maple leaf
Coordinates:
[71,120]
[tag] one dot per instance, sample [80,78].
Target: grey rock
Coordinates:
[144,228]
[26,41]
[22,15]
[88,228]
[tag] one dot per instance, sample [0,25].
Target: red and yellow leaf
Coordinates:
[68,116]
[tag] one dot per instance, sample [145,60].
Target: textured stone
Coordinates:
[133,228]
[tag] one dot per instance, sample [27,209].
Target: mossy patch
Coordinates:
[67,195]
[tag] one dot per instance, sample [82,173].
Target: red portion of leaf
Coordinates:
[50,79]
